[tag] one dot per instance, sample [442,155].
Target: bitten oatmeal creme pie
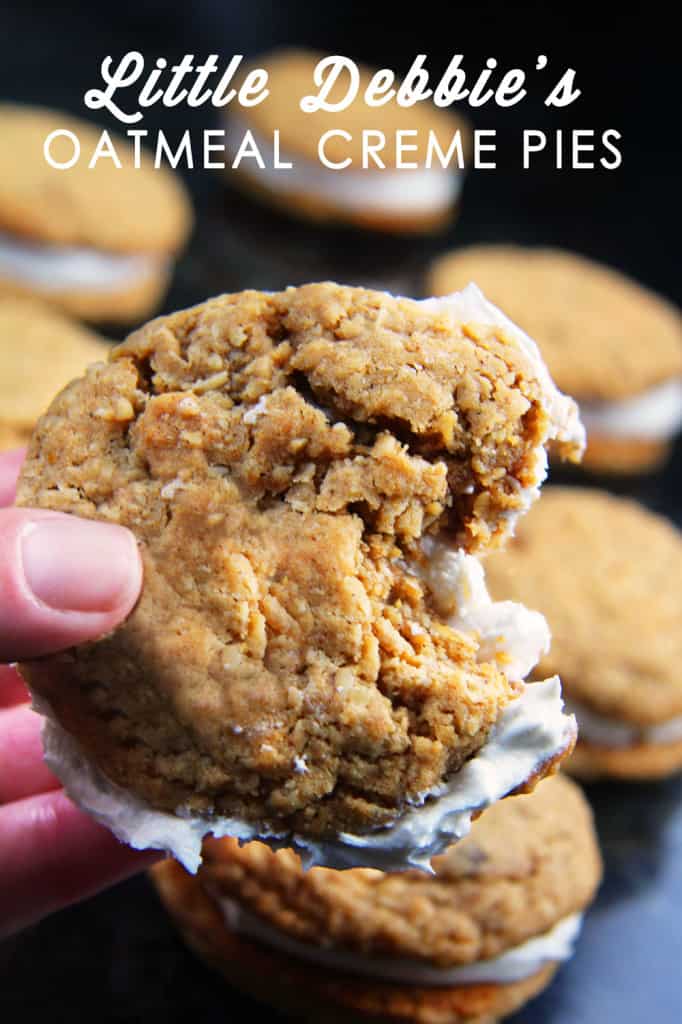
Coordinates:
[314,657]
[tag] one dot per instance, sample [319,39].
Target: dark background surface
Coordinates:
[116,958]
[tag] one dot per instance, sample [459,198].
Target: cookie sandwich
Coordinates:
[314,658]
[615,622]
[97,241]
[473,942]
[611,343]
[343,182]
[40,351]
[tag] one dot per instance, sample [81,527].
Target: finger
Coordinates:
[23,771]
[12,688]
[52,855]
[10,464]
[63,580]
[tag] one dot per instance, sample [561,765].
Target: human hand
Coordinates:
[62,581]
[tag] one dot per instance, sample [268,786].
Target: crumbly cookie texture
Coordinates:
[40,352]
[126,209]
[615,617]
[280,458]
[529,862]
[312,992]
[587,318]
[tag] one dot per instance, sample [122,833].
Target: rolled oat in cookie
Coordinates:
[303,470]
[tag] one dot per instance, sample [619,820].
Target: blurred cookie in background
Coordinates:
[472,942]
[606,573]
[611,343]
[97,241]
[394,198]
[41,350]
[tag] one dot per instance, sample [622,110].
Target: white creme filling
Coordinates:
[418,191]
[654,415]
[610,732]
[54,268]
[531,731]
[508,633]
[514,964]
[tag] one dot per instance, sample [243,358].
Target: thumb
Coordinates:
[63,580]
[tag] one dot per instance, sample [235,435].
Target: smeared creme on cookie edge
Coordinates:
[531,734]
